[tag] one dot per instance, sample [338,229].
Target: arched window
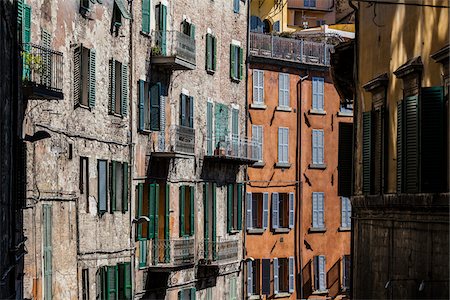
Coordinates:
[267,26]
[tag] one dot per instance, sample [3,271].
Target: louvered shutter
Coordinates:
[249,215]
[280,89]
[183,104]
[48,251]
[345,203]
[320,209]
[112,86]
[275,210]
[124,98]
[322,273]
[235,131]
[315,99]
[155,109]
[291,210]
[241,63]
[321,146]
[214,52]
[276,283]
[113,185]
[146,16]
[181,210]
[166,221]
[214,220]
[127,281]
[92,79]
[233,62]
[140,191]
[77,75]
[192,210]
[206,219]
[102,186]
[265,210]
[209,128]
[112,282]
[320,91]
[209,42]
[377,136]
[142,253]
[280,145]
[230,191]
[249,278]
[412,145]
[192,31]
[26,28]
[367,151]
[315,205]
[191,111]
[291,274]
[162,26]
[20,5]
[153,201]
[316,273]
[141,107]
[239,190]
[400,144]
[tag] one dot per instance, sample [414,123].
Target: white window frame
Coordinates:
[318,210]
[283,145]
[283,90]
[258,86]
[318,147]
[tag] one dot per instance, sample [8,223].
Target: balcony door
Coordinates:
[163,224]
[209,202]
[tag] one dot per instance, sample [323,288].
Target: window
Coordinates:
[309,3]
[119,186]
[233,288]
[118,88]
[187,111]
[114,282]
[317,93]
[317,147]
[209,128]
[257,139]
[221,124]
[345,159]
[346,271]
[85,6]
[283,210]
[102,168]
[236,6]
[84,180]
[346,212]
[236,62]
[146,16]
[253,277]
[211,52]
[186,208]
[283,90]
[142,253]
[85,284]
[149,106]
[346,108]
[283,275]
[148,201]
[266,277]
[276,26]
[187,294]
[258,86]
[283,145]
[84,77]
[320,280]
[234,207]
[116,20]
[257,210]
[318,210]
[188,29]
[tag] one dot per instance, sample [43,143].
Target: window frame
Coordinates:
[318,134]
[283,90]
[318,222]
[258,86]
[318,96]
[283,145]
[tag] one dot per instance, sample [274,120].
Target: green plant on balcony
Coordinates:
[156,51]
[31,63]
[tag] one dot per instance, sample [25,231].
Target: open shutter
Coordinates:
[316,272]
[412,144]
[208,62]
[322,273]
[249,278]
[183,103]
[77,74]
[214,53]
[400,147]
[142,97]
[315,99]
[321,147]
[291,210]
[214,220]
[124,99]
[275,212]
[239,206]
[20,5]
[192,31]
[249,211]
[112,86]
[367,151]
[155,208]
[320,209]
[280,145]
[47,237]
[102,186]
[233,62]
[140,191]
[230,207]
[155,109]
[113,185]
[92,85]
[127,280]
[151,210]
[209,128]
[162,26]
[241,63]
[26,39]
[276,283]
[265,210]
[315,212]
[291,274]
[206,218]
[191,111]
[112,282]
[167,222]
[181,209]
[146,16]
[192,210]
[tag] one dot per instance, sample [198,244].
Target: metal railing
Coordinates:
[174,43]
[290,49]
[232,147]
[219,250]
[183,139]
[42,67]
[173,252]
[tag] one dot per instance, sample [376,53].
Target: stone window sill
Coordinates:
[324,292]
[317,230]
[318,166]
[255,230]
[282,295]
[259,164]
[317,112]
[284,108]
[258,106]
[344,229]
[282,165]
[281,230]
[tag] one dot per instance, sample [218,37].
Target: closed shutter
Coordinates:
[283,90]
[127,281]
[266,279]
[258,86]
[77,61]
[112,86]
[318,93]
[183,104]
[46,59]
[230,218]
[140,198]
[162,26]
[233,62]
[315,211]
[166,221]
[241,63]
[235,131]
[276,283]
[112,282]
[377,136]
[20,5]
[221,123]
[92,80]
[209,128]
[146,16]
[400,143]
[367,151]
[432,140]
[191,112]
[345,159]
[283,145]
[249,278]
[275,211]
[26,39]
[141,106]
[412,145]
[113,185]
[214,220]
[320,209]
[249,211]
[317,147]
[181,210]
[155,110]
[214,53]
[265,210]
[153,201]
[291,274]
[209,45]
[124,99]
[320,146]
[239,188]
[291,210]
[316,273]
[280,145]
[322,274]
[48,251]
[142,253]
[346,211]
[206,219]
[233,288]
[192,210]
[102,186]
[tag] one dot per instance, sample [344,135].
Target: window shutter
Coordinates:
[124,100]
[321,93]
[315,149]
[315,217]
[283,90]
[140,190]
[412,145]
[214,219]
[249,211]
[266,276]
[236,6]
[191,111]
[214,52]
[280,145]
[127,280]
[275,212]
[153,197]
[112,86]
[315,99]
[344,209]
[249,278]
[322,273]
[192,31]
[276,283]
[209,128]
[291,274]
[265,210]
[112,185]
[142,253]
[47,237]
[146,16]
[206,201]
[209,42]
[77,74]
[155,110]
[320,208]
[26,28]
[112,282]
[239,205]
[321,146]
[241,63]
[367,151]
[316,273]
[92,85]
[181,209]
[183,116]
[230,207]
[102,186]
[162,26]
[192,293]
[192,210]
[233,288]
[280,89]
[167,212]
[20,8]
[233,61]
[291,210]
[400,145]
[141,104]
[286,145]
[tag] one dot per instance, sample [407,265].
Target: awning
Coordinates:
[123,9]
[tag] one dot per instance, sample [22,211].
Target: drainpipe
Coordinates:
[299,206]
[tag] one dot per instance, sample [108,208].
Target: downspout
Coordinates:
[299,206]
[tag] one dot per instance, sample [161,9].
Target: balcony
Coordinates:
[218,252]
[42,74]
[172,254]
[182,143]
[289,49]
[232,149]
[173,50]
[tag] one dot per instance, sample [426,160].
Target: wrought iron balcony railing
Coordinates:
[183,139]
[42,72]
[173,252]
[232,147]
[289,49]
[173,49]
[222,249]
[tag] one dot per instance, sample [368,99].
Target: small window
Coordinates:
[320,280]
[309,3]
[283,145]
[102,186]
[236,62]
[257,210]
[346,212]
[282,210]
[187,111]
[188,29]
[318,94]
[257,207]
[186,210]
[318,210]
[317,147]
[346,271]
[84,181]
[211,52]
[118,88]
[283,90]
[234,207]
[283,270]
[257,139]
[258,86]
[84,77]
[119,186]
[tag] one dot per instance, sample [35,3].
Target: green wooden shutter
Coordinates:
[48,251]
[112,86]
[367,151]
[141,106]
[214,220]
[209,128]
[233,61]
[155,109]
[432,140]
[140,188]
[126,277]
[239,205]
[92,85]
[26,39]
[191,111]
[112,185]
[192,293]
[156,212]
[166,223]
[230,189]
[183,103]
[400,147]
[241,63]
[153,197]
[192,31]
[125,187]
[214,53]
[19,12]
[112,283]
[124,98]
[162,26]
[192,211]
[146,16]
[77,61]
[208,52]
[412,144]
[206,200]
[181,209]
